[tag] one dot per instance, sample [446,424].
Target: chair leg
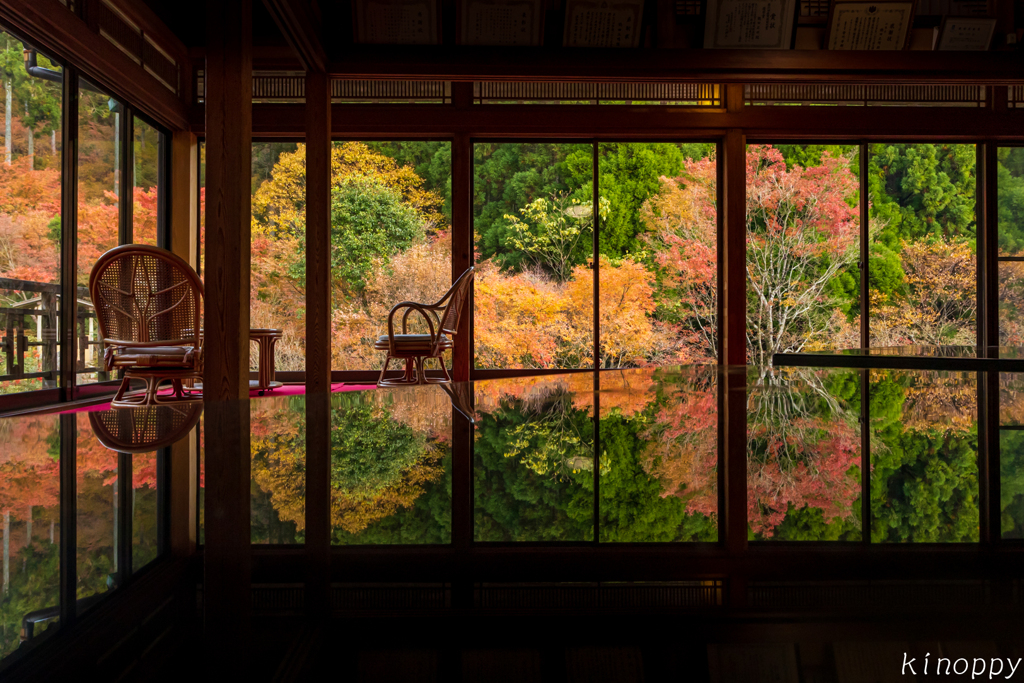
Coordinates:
[447,379]
[119,396]
[420,377]
[152,386]
[380,380]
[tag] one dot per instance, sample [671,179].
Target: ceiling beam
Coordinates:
[462,63]
[620,122]
[296,21]
[53,28]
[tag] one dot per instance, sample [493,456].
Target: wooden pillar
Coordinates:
[462,230]
[184,191]
[227,575]
[184,236]
[732,261]
[318,341]
[987,212]
[228,205]
[732,257]
[69,237]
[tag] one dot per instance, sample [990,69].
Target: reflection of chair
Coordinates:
[418,347]
[148,305]
[143,429]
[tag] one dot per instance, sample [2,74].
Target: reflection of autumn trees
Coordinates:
[535,448]
[30,509]
[682,441]
[924,450]
[533,454]
[387,450]
[95,521]
[803,449]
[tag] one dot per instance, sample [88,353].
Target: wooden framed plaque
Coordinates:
[758,24]
[397,22]
[501,22]
[602,23]
[966,33]
[859,25]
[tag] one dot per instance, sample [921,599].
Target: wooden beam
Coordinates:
[370,121]
[51,27]
[149,23]
[295,20]
[692,65]
[227,561]
[318,340]
[184,191]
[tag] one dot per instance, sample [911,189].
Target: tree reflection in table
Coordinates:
[924,455]
[390,468]
[30,505]
[803,455]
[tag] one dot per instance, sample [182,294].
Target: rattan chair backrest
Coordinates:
[144,294]
[457,297]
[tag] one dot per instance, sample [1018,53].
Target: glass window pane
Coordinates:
[145,185]
[804,454]
[533,459]
[658,246]
[390,242]
[533,228]
[391,467]
[30,221]
[278,299]
[30,517]
[659,455]
[1011,303]
[1010,182]
[924,457]
[99,193]
[803,232]
[923,272]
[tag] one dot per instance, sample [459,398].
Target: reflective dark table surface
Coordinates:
[866,458]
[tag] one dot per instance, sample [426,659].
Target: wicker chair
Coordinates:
[148,303]
[416,348]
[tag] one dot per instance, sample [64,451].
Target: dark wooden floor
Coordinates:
[615,648]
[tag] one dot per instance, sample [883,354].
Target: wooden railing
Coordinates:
[33,323]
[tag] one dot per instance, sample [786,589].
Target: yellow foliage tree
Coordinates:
[279,205]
